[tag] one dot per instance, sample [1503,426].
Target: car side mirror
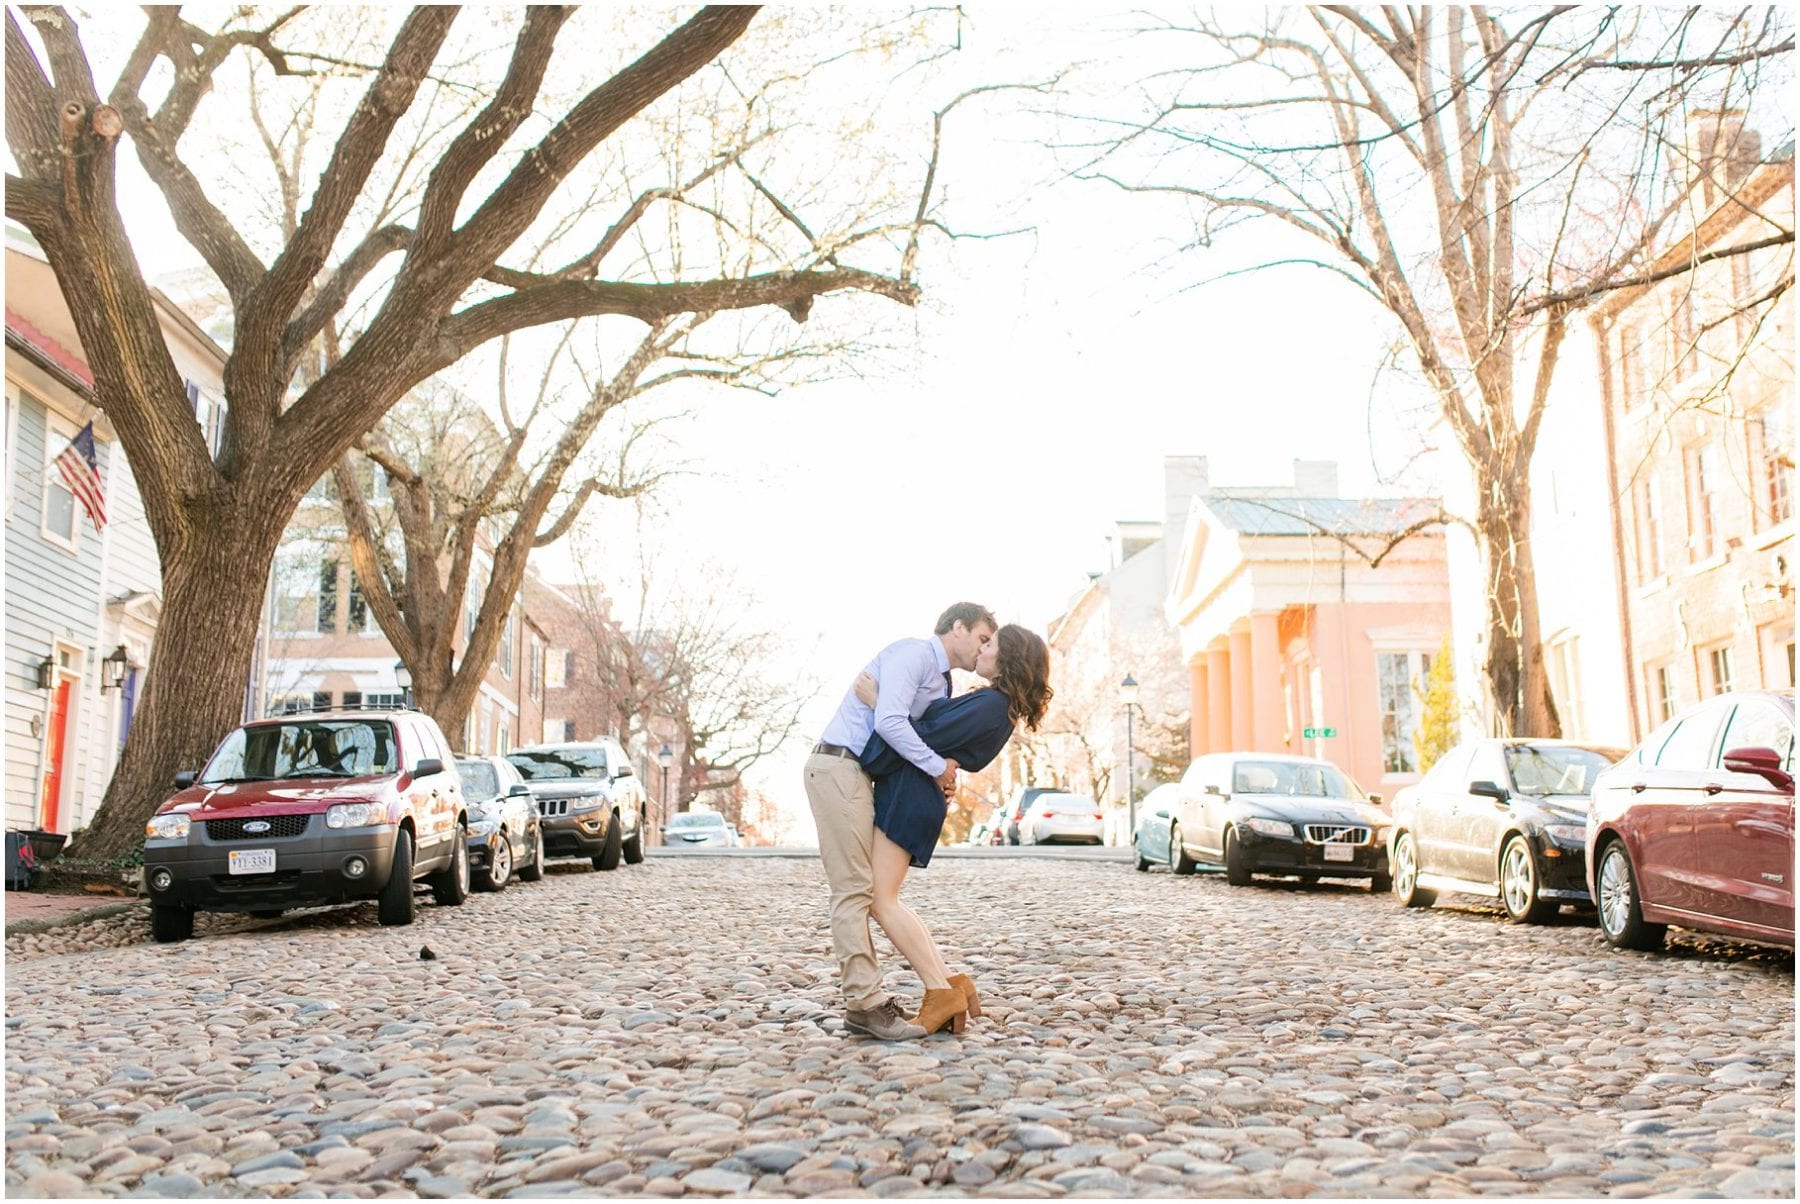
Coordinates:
[1375,800]
[623,771]
[1161,814]
[185,778]
[1211,788]
[1488,790]
[518,790]
[1765,763]
[428,765]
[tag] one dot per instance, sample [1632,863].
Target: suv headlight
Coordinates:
[586,803]
[167,827]
[1270,827]
[355,815]
[1567,833]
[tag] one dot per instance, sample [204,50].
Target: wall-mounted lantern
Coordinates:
[46,673]
[114,668]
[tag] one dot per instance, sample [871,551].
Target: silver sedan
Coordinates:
[1059,818]
[699,829]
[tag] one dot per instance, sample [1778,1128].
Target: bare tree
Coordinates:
[1480,175]
[692,657]
[402,299]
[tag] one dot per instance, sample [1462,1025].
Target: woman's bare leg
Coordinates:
[902,926]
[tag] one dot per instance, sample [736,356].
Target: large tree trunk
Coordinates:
[1515,655]
[199,664]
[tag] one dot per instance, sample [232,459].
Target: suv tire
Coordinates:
[394,905]
[535,871]
[634,848]
[450,885]
[171,922]
[613,849]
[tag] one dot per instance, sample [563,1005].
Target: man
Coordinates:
[912,674]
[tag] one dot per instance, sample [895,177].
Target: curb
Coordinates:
[31,927]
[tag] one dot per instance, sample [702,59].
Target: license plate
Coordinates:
[252,861]
[1339,852]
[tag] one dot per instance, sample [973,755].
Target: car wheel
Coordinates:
[394,906]
[450,885]
[1143,862]
[1405,877]
[1621,915]
[499,867]
[1237,866]
[535,871]
[613,849]
[1519,885]
[634,848]
[171,922]
[1179,861]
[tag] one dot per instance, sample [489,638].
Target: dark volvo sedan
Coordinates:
[1292,817]
[1502,818]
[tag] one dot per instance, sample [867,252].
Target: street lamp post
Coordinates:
[403,678]
[1128,690]
[665,756]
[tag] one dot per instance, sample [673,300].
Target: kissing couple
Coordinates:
[878,781]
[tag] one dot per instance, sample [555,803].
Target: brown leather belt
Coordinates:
[835,750]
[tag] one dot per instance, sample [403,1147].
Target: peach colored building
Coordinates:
[1285,626]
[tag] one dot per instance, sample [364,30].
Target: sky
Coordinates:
[1045,377]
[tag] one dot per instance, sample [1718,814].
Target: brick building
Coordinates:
[1697,392]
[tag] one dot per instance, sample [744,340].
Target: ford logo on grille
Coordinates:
[257,825]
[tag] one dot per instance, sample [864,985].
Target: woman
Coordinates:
[910,807]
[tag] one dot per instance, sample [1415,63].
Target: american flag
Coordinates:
[80,469]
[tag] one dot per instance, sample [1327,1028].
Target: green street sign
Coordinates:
[1315,733]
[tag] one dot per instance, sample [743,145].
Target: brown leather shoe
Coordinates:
[965,984]
[943,1009]
[885,1021]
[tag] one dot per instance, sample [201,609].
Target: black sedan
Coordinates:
[1501,818]
[1293,817]
[506,837]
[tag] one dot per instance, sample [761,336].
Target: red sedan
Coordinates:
[1695,826]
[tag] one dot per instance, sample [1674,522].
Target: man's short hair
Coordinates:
[966,613]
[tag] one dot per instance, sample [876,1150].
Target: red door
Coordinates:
[53,758]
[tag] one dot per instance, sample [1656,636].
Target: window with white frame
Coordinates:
[556,669]
[356,608]
[1650,531]
[209,413]
[1772,454]
[1684,351]
[326,596]
[1719,672]
[503,657]
[61,511]
[535,671]
[1634,374]
[1564,663]
[1397,674]
[295,587]
[1662,692]
[1703,482]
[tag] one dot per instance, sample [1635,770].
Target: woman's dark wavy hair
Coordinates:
[1023,675]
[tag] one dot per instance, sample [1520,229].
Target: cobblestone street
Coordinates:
[673,1029]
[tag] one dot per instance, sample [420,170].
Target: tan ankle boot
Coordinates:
[942,1009]
[965,984]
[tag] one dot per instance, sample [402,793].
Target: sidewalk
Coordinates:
[42,908]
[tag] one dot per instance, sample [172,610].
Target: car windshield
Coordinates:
[479,781]
[311,748]
[1553,770]
[696,819]
[538,763]
[1297,778]
[1062,802]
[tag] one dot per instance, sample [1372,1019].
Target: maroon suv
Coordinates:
[311,809]
[1695,826]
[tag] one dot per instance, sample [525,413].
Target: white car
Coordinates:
[699,829]
[1056,817]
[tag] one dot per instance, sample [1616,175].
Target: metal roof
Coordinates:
[1320,516]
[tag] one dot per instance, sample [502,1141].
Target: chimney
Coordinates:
[1315,478]
[1720,153]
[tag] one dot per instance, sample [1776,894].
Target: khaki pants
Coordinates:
[843,807]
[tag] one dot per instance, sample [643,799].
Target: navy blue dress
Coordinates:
[909,806]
